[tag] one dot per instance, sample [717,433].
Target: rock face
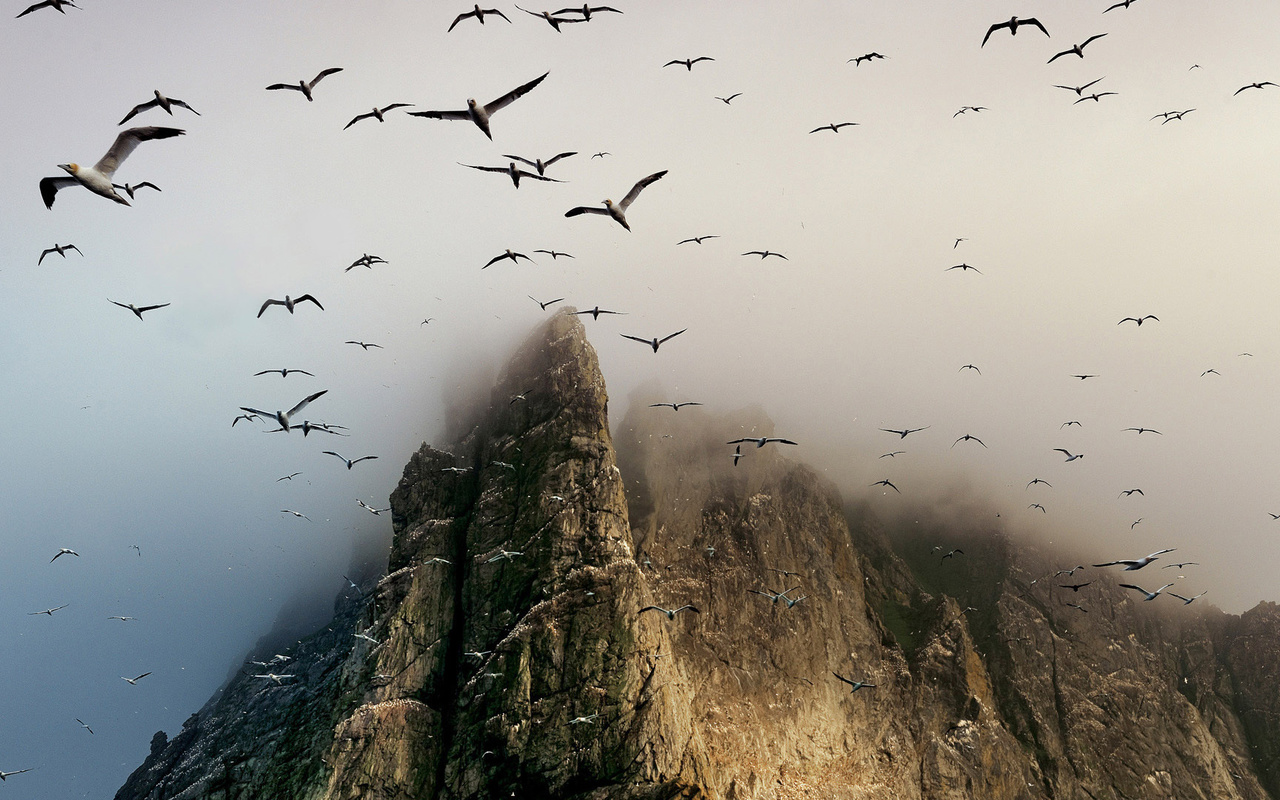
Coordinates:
[506,652]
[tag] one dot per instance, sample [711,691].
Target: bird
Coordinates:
[57,6]
[60,249]
[671,613]
[774,596]
[674,406]
[554,254]
[376,113]
[1034,481]
[508,254]
[688,62]
[1075,587]
[1037,505]
[480,114]
[893,454]
[289,303]
[1076,49]
[284,372]
[589,717]
[963,268]
[903,433]
[504,555]
[478,13]
[601,154]
[47,611]
[1012,25]
[1253,86]
[737,454]
[586,11]
[1138,320]
[597,311]
[966,438]
[855,684]
[371,509]
[1066,453]
[7,775]
[1121,4]
[1170,115]
[1181,565]
[761,441]
[282,417]
[698,239]
[365,345]
[857,62]
[1211,370]
[349,462]
[1131,492]
[963,109]
[297,514]
[86,727]
[1084,377]
[728,100]
[124,619]
[553,21]
[1079,90]
[522,396]
[1186,601]
[62,551]
[513,172]
[959,239]
[539,164]
[130,188]
[1080,608]
[367,638]
[792,603]
[136,309]
[543,305]
[618,211]
[1094,97]
[97,178]
[159,101]
[765,254]
[134,681]
[834,127]
[951,554]
[1131,564]
[655,341]
[886,482]
[304,86]
[288,477]
[366,261]
[245,417]
[1149,595]
[1141,431]
[274,677]
[1069,572]
[970,366]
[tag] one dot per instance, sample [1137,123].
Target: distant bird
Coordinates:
[618,211]
[963,109]
[297,514]
[288,477]
[56,5]
[97,178]
[86,727]
[284,372]
[349,462]
[543,305]
[857,62]
[124,619]
[970,366]
[1034,481]
[62,551]
[951,554]
[728,100]
[1210,370]
[508,254]
[278,679]
[1181,565]
[674,406]
[855,684]
[1131,492]
[136,309]
[1135,522]
[834,127]
[376,113]
[1069,423]
[886,482]
[477,12]
[130,188]
[289,303]
[134,681]
[304,86]
[959,239]
[774,596]
[601,154]
[1094,97]
[1149,595]
[596,312]
[1121,4]
[966,438]
[371,509]
[688,62]
[655,341]
[894,454]
[282,417]
[589,717]
[553,21]
[7,775]
[1066,453]
[761,441]
[504,555]
[698,239]
[903,433]
[1131,564]
[586,11]
[1141,431]
[765,254]
[737,454]
[522,396]
[1079,90]
[366,261]
[1013,25]
[792,603]
[1186,601]
[1254,86]
[47,611]
[1037,505]
[436,560]
[1075,587]
[1084,377]
[1138,320]
[364,345]
[457,470]
[554,254]
[963,268]
[1068,572]
[1077,49]
[159,101]
[60,249]
[1171,115]
[513,172]
[246,418]
[539,164]
[480,114]
[671,613]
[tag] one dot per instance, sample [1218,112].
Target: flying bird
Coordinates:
[553,21]
[7,775]
[671,613]
[1182,564]
[586,11]
[698,239]
[1034,481]
[1069,423]
[886,482]
[765,254]
[596,312]
[480,114]
[365,345]
[1094,97]
[289,303]
[1084,377]
[855,684]
[57,6]
[284,372]
[97,178]
[1121,4]
[1013,25]
[47,611]
[963,268]
[60,249]
[688,62]
[959,239]
[130,188]
[282,417]
[1211,370]
[655,341]
[136,309]
[761,441]
[274,677]
[477,12]
[1141,431]
[367,261]
[674,406]
[288,477]
[539,164]
[376,113]
[86,727]
[737,454]
[1079,90]
[124,619]
[857,62]
[349,462]
[304,86]
[297,514]
[134,681]
[514,173]
[1037,505]
[1131,564]
[1075,587]
[1186,601]
[1138,320]
[834,127]
[966,438]
[970,366]
[1077,49]
[903,433]
[963,109]
[508,254]
[1131,492]
[1254,86]
[618,211]
[159,101]
[894,454]
[542,304]
[1066,453]
[1149,595]
[728,100]
[554,254]
[953,553]
[62,551]
[774,596]
[246,418]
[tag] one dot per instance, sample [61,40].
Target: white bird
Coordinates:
[671,613]
[774,596]
[349,462]
[502,555]
[62,551]
[124,619]
[86,727]
[589,717]
[7,775]
[160,101]
[297,514]
[376,113]
[479,114]
[370,508]
[1186,601]
[48,611]
[274,677]
[855,684]
[513,172]
[478,13]
[1149,595]
[137,310]
[289,303]
[618,211]
[60,249]
[304,86]
[655,341]
[97,178]
[1137,563]
[134,681]
[761,441]
[282,417]
[1069,456]
[674,406]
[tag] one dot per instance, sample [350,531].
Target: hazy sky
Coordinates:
[118,431]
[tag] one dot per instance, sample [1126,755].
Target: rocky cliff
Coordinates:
[507,652]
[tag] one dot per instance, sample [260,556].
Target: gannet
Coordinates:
[671,613]
[551,20]
[1079,90]
[1254,86]
[792,603]
[136,309]
[515,398]
[376,113]
[1141,431]
[160,101]
[1037,505]
[274,677]
[1034,481]
[367,638]
[543,305]
[124,619]
[1181,565]
[298,514]
[855,684]
[857,62]
[963,268]
[1075,587]
[963,109]
[62,551]
[47,611]
[504,555]
[513,172]
[1068,572]
[304,86]
[288,477]
[765,254]
[655,341]
[554,254]
[589,717]
[737,454]
[698,239]
[282,417]
[1137,563]
[1121,4]
[57,6]
[1149,595]
[478,13]
[586,11]
[728,100]
[1068,454]
[1131,493]
[761,441]
[893,454]
[349,462]
[245,417]
[130,188]
[903,433]
[951,554]
[365,345]
[97,178]
[508,254]
[959,239]
[60,249]
[619,211]
[966,438]
[367,261]
[674,406]
[1094,97]
[1069,423]
[1012,25]
[7,775]
[772,595]
[1186,601]
[479,114]
[289,303]
[970,366]
[371,509]
[1077,49]
[284,372]
[596,312]
[134,681]
[834,127]
[688,62]
[539,164]
[886,482]
[86,727]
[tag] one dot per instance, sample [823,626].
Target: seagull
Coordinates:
[130,188]
[1012,25]
[834,127]
[1079,90]
[1093,97]
[137,310]
[298,514]
[60,249]
[655,341]
[304,86]
[350,463]
[857,62]
[688,62]
[522,396]
[513,172]
[774,596]
[1135,522]
[1068,454]
[966,438]
[1211,369]
[57,6]
[886,482]
[1171,115]
[951,554]
[1082,609]
[284,372]
[894,454]
[765,254]
[134,681]
[1138,320]
[1144,430]
[698,239]
[367,638]
[762,441]
[963,268]
[1186,601]
[160,101]
[618,211]
[674,406]
[288,477]
[671,613]
[508,254]
[1075,587]
[479,114]
[1077,49]
[554,254]
[959,239]
[376,113]
[62,551]
[553,21]
[974,109]
[47,611]
[1181,565]
[1254,86]
[1069,572]
[903,433]
[596,312]
[97,178]
[1149,595]
[855,684]
[601,154]
[478,13]
[371,509]
[289,303]
[281,416]
[729,99]
[437,560]
[86,727]
[457,470]
[542,304]
[1131,492]
[366,261]
[7,775]
[1033,481]
[539,164]
[1137,563]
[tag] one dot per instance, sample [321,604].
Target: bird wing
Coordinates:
[356,119]
[304,402]
[331,453]
[1090,39]
[672,336]
[696,611]
[1060,450]
[125,143]
[393,106]
[1036,22]
[152,308]
[1159,552]
[137,109]
[573,212]
[740,441]
[184,105]
[489,169]
[50,186]
[1059,55]
[441,114]
[515,158]
[508,98]
[284,86]
[845,680]
[258,412]
[644,341]
[143,675]
[363,458]
[1180,597]
[1139,588]
[652,608]
[780,441]
[992,30]
[308,297]
[323,73]
[635,190]
[558,156]
[264,305]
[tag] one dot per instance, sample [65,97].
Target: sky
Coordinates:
[1077,215]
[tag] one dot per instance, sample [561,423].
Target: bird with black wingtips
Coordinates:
[857,62]
[1149,595]
[887,483]
[282,417]
[6,775]
[596,311]
[137,310]
[62,551]
[1077,49]
[306,86]
[364,345]
[655,341]
[550,18]
[1139,320]
[765,254]
[1258,85]
[539,164]
[618,210]
[952,554]
[480,114]
[729,100]
[130,188]
[97,178]
[509,254]
[1079,90]
[834,127]
[963,109]
[376,113]
[1012,25]
[671,613]
[902,434]
[60,249]
[289,303]
[543,305]
[555,254]
[688,62]
[587,10]
[761,441]
[513,172]
[1068,454]
[478,14]
[674,406]
[1094,97]
[159,101]
[698,239]
[56,5]
[855,684]
[350,462]
[1131,564]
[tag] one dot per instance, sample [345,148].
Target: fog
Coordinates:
[118,431]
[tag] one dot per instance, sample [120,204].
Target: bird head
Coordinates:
[71,168]
[471,102]
[608,203]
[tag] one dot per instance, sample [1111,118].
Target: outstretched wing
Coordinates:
[323,73]
[310,298]
[136,110]
[125,144]
[441,114]
[49,188]
[509,97]
[304,402]
[635,190]
[672,336]
[573,212]
[642,341]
